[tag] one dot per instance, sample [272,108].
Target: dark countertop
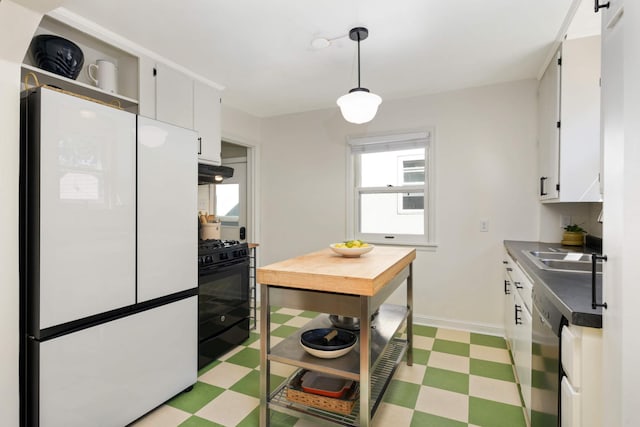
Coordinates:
[569,292]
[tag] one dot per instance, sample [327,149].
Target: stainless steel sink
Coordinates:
[581,266]
[564,261]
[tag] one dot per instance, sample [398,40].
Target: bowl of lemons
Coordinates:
[351,248]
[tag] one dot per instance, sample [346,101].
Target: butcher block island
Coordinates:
[330,284]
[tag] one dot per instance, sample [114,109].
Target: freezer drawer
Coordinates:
[111,374]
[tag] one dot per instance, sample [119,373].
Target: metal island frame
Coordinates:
[327,283]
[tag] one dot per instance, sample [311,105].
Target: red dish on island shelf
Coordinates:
[325,384]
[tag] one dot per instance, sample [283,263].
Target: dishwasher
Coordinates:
[546,370]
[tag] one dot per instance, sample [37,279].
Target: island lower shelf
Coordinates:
[381,376]
[384,328]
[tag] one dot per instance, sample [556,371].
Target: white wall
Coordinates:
[583,214]
[485,147]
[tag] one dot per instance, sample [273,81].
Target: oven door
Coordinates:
[223,297]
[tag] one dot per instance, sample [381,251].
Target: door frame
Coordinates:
[253,188]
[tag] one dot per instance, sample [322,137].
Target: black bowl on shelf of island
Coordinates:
[56,55]
[328,343]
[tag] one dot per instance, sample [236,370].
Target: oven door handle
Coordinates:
[216,268]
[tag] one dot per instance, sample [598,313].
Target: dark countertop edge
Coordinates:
[569,292]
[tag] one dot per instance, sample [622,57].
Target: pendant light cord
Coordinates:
[358,60]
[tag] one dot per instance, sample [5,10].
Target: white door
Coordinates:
[167,202]
[231,201]
[86,206]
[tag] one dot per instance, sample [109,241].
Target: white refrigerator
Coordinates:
[108,262]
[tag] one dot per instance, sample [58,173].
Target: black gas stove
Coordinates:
[215,251]
[223,297]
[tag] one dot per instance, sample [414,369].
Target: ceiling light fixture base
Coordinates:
[358,34]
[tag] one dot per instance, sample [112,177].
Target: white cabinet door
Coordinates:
[580,120]
[522,352]
[206,121]
[548,130]
[113,373]
[167,209]
[509,315]
[569,124]
[86,208]
[174,97]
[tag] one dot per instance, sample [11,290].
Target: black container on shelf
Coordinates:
[57,55]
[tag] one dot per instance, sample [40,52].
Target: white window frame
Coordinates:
[401,172]
[393,141]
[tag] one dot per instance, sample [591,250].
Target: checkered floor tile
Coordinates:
[458,379]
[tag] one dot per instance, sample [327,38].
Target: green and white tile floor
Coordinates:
[457,379]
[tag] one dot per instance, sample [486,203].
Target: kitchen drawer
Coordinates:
[571,401]
[572,355]
[520,282]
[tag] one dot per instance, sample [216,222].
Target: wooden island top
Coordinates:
[327,271]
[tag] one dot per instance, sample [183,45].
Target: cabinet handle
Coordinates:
[542,180]
[505,262]
[597,6]
[509,269]
[594,261]
[199,145]
[506,287]
[518,285]
[518,310]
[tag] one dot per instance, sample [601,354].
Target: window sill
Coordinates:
[422,247]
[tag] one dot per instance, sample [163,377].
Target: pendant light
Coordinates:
[359,105]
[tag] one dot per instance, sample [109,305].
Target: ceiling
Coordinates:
[260,50]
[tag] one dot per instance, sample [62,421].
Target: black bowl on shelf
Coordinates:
[57,55]
[315,338]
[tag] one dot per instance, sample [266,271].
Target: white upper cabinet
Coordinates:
[548,129]
[206,120]
[569,124]
[174,96]
[189,103]
[580,120]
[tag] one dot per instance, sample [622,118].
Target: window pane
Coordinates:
[227,202]
[380,213]
[412,202]
[391,168]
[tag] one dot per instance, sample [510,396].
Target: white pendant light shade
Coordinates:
[359,106]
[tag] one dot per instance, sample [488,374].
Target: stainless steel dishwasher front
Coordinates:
[546,371]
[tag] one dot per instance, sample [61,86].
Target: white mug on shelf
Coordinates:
[103,75]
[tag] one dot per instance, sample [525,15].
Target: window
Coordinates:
[390,194]
[228,203]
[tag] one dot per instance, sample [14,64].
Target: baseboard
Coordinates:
[480,328]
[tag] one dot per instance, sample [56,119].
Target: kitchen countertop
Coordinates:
[569,292]
[326,271]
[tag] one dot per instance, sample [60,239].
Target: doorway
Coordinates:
[231,196]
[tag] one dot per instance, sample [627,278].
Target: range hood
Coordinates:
[211,174]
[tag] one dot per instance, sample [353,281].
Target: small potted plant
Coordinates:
[573,235]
